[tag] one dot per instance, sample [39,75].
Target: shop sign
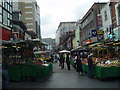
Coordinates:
[100,32]
[6,34]
[99,21]
[110,36]
[94,33]
[16,35]
[100,37]
[88,41]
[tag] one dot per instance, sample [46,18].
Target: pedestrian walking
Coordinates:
[52,59]
[5,77]
[68,60]
[90,66]
[79,67]
[61,61]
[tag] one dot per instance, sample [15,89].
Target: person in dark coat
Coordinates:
[51,58]
[5,77]
[90,66]
[79,67]
[62,61]
[68,61]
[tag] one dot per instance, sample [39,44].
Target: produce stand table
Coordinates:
[103,72]
[72,62]
[28,71]
[85,68]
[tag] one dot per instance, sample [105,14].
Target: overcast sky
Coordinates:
[52,12]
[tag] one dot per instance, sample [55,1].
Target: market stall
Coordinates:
[23,65]
[106,60]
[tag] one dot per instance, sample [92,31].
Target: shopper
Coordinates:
[52,59]
[68,60]
[79,67]
[61,61]
[90,66]
[5,78]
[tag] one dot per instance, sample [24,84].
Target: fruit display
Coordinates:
[109,63]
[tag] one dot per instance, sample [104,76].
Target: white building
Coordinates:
[117,29]
[63,28]
[106,20]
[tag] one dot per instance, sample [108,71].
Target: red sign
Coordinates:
[88,41]
[6,34]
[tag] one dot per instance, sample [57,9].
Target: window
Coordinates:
[0,18]
[28,12]
[10,17]
[4,17]
[28,2]
[29,24]
[10,9]
[8,22]
[28,7]
[10,2]
[105,15]
[1,2]
[0,10]
[6,6]
[28,18]
[30,29]
[119,10]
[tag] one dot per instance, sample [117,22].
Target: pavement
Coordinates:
[63,78]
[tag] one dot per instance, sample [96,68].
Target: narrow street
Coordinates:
[63,78]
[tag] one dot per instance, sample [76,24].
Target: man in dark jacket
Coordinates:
[68,61]
[62,61]
[79,67]
[5,78]
[90,66]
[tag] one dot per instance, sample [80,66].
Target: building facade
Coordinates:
[30,15]
[106,20]
[50,42]
[91,24]
[110,18]
[78,34]
[5,19]
[63,31]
